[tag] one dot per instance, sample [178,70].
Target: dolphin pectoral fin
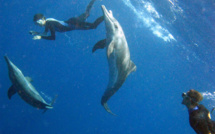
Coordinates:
[132,67]
[105,105]
[99,45]
[29,79]
[11,91]
[110,48]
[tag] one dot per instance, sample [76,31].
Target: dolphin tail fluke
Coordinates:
[105,105]
[50,106]
[53,101]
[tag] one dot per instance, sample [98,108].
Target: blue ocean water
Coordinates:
[171,42]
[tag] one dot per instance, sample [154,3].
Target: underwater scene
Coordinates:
[107,67]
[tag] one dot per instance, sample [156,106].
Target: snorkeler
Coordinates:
[199,116]
[75,23]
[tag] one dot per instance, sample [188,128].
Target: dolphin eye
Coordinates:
[116,26]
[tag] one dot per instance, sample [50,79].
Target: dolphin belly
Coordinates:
[31,98]
[35,102]
[113,70]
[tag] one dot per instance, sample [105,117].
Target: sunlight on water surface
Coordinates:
[147,15]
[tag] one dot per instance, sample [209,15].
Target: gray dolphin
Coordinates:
[118,55]
[22,85]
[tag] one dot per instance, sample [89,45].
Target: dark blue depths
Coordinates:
[148,102]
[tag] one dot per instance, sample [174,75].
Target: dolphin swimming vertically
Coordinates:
[22,85]
[118,55]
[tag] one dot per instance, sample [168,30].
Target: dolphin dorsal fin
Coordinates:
[28,79]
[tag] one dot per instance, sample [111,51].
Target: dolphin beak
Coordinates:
[107,14]
[104,10]
[9,63]
[7,60]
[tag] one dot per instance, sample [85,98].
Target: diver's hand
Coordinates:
[37,37]
[33,33]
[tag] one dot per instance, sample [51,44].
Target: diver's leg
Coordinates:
[81,25]
[98,21]
[87,25]
[85,15]
[72,21]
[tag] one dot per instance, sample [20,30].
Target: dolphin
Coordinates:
[22,85]
[118,56]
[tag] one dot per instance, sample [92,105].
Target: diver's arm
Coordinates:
[44,36]
[45,32]
[37,33]
[52,37]
[52,31]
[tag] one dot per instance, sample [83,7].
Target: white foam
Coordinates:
[209,99]
[208,95]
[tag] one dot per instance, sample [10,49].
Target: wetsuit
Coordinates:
[200,120]
[54,25]
[75,23]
